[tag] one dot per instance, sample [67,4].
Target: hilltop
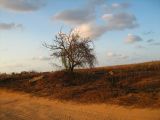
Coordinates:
[135,85]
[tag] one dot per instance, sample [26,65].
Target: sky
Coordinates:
[123,31]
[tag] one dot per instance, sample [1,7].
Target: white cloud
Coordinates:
[9,26]
[133,38]
[116,7]
[111,54]
[41,58]
[117,56]
[21,5]
[91,30]
[120,21]
[120,5]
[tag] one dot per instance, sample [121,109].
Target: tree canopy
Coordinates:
[73,50]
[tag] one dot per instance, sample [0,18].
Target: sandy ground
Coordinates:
[18,106]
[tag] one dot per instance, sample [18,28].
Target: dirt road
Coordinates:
[18,106]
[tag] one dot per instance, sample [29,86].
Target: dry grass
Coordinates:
[20,106]
[135,85]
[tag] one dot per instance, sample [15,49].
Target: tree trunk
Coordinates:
[71,69]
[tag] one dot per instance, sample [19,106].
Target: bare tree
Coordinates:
[73,50]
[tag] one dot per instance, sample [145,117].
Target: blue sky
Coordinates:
[124,31]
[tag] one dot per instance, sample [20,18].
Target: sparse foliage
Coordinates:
[73,50]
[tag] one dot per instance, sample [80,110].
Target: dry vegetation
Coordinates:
[136,85]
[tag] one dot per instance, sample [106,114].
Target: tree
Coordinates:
[73,50]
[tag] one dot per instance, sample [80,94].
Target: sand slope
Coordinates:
[18,106]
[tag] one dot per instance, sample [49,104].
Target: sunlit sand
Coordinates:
[19,106]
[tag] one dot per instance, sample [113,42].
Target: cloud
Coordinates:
[150,40]
[41,58]
[111,54]
[91,30]
[120,5]
[133,38]
[96,2]
[140,47]
[75,16]
[155,44]
[9,26]
[81,15]
[114,55]
[85,19]
[148,33]
[116,7]
[22,5]
[114,22]
[120,21]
